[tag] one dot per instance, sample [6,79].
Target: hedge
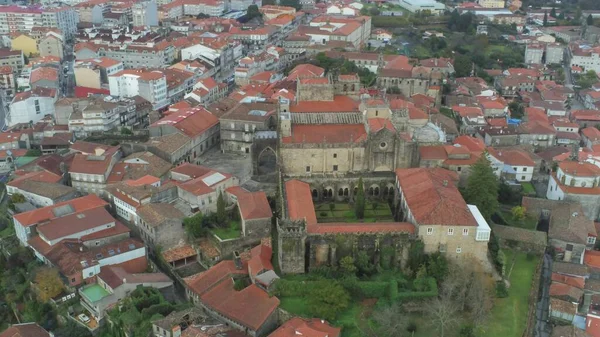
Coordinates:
[162,308]
[393,290]
[413,295]
[373,289]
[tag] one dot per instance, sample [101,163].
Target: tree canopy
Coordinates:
[482,187]
[48,283]
[329,299]
[359,202]
[462,65]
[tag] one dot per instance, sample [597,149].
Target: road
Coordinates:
[542,327]
[575,102]
[68,82]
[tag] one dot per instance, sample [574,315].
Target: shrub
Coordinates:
[415,295]
[393,290]
[501,290]
[373,289]
[323,213]
[411,327]
[161,308]
[467,330]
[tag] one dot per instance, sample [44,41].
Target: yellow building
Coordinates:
[491,3]
[24,43]
[88,75]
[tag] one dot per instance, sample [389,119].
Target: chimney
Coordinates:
[237,260]
[124,280]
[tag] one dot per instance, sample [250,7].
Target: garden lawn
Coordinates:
[382,212]
[509,315]
[226,233]
[527,222]
[528,188]
[295,305]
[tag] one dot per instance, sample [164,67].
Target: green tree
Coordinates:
[363,263]
[561,16]
[437,266]
[126,131]
[462,66]
[347,265]
[545,19]
[590,20]
[328,300]
[518,212]
[482,187]
[416,256]
[553,12]
[359,201]
[516,109]
[253,12]
[33,153]
[48,283]
[72,329]
[221,213]
[421,279]
[194,226]
[17,198]
[578,14]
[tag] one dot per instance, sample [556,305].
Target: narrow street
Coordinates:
[542,327]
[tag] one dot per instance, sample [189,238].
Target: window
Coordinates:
[522,177]
[308,169]
[465,231]
[458,250]
[524,169]
[429,231]
[459,168]
[335,168]
[591,240]
[335,155]
[450,231]
[72,280]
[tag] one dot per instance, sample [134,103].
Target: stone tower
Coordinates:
[291,240]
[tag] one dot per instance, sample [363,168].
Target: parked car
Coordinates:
[84,318]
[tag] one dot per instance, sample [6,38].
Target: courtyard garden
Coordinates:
[345,212]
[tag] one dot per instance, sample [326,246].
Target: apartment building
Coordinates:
[585,57]
[22,19]
[145,14]
[13,59]
[92,12]
[151,85]
[151,55]
[94,73]
[51,45]
[7,80]
[184,135]
[89,172]
[31,106]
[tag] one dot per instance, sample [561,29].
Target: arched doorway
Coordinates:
[267,161]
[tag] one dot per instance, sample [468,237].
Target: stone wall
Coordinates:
[227,247]
[589,202]
[524,240]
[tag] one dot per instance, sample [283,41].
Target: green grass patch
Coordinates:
[226,233]
[345,212]
[8,231]
[527,222]
[528,188]
[509,315]
[295,305]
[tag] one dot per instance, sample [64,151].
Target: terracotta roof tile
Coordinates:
[192,122]
[178,253]
[432,197]
[339,104]
[88,202]
[326,133]
[25,330]
[299,206]
[306,327]
[252,205]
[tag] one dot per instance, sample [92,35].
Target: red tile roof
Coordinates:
[591,133]
[250,307]
[299,204]
[585,115]
[512,157]
[260,260]
[178,253]
[205,281]
[468,111]
[25,330]
[304,71]
[592,259]
[44,73]
[306,327]
[578,282]
[192,122]
[471,143]
[42,176]
[579,169]
[90,201]
[70,225]
[326,133]
[376,124]
[94,164]
[339,104]
[116,276]
[432,197]
[252,205]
